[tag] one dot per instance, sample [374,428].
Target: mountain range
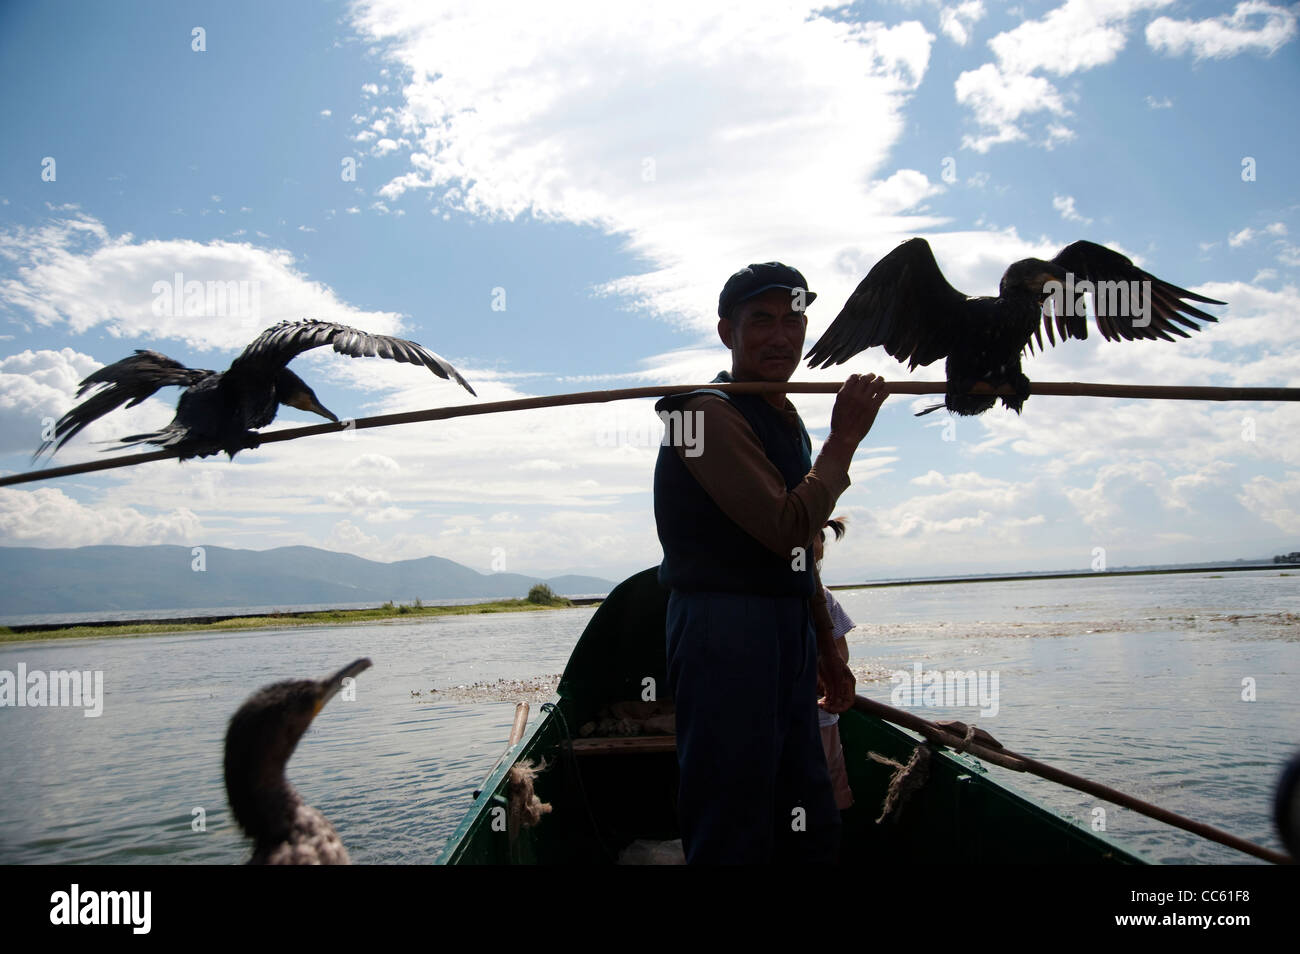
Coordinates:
[116,578]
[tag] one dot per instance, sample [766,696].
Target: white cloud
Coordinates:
[390,515]
[1000,99]
[347,537]
[1058,134]
[1251,27]
[956,21]
[33,386]
[903,190]
[326,113]
[1065,205]
[71,273]
[373,463]
[1248,235]
[1163,103]
[359,498]
[1274,500]
[955,507]
[1078,35]
[47,517]
[687,178]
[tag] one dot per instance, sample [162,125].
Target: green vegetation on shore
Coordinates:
[324,617]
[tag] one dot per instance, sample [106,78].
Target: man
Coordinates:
[737,511]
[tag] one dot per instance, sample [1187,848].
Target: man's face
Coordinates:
[765,337]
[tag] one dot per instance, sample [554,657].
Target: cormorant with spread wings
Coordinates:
[907,305]
[220,410]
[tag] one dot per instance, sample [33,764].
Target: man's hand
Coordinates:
[835,681]
[856,406]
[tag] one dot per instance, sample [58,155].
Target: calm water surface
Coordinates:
[1133,681]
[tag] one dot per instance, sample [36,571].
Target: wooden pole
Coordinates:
[1054,388]
[1020,763]
[516,733]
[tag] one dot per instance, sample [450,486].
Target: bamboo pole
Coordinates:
[516,733]
[1021,763]
[1053,388]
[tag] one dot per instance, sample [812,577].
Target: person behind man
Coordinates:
[829,722]
[736,513]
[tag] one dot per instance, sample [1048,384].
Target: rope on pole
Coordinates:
[998,755]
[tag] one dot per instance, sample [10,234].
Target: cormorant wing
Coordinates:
[904,303]
[1167,305]
[128,382]
[277,346]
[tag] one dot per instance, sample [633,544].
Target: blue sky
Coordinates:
[600,170]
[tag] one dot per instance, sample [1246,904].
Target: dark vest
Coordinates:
[703,548]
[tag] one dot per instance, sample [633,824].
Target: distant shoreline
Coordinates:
[1232,568]
[104,629]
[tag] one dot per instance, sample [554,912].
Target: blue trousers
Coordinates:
[754,784]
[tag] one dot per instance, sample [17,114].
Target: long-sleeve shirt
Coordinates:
[736,473]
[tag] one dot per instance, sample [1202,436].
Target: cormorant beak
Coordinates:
[331,686]
[305,400]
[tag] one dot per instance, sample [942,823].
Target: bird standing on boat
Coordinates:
[259,742]
[907,305]
[220,410]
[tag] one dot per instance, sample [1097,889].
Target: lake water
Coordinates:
[1136,682]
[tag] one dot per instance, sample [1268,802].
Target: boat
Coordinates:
[593,798]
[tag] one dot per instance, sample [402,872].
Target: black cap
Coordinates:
[755,279]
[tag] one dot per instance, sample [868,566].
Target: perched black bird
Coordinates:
[261,738]
[907,305]
[219,411]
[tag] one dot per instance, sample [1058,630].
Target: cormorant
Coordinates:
[907,305]
[261,738]
[221,410]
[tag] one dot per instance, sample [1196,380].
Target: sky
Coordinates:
[551,196]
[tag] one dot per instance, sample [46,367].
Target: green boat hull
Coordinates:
[601,802]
